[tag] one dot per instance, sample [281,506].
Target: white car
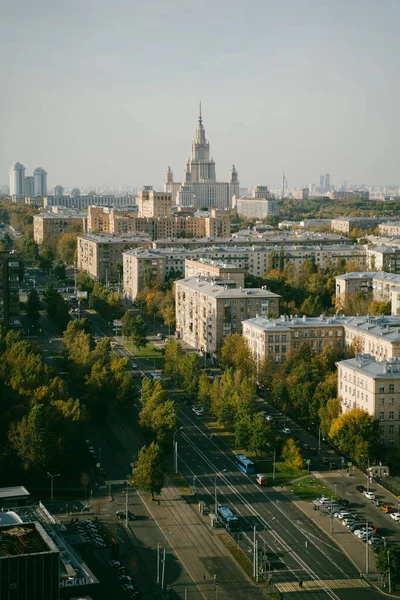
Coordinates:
[268,418]
[198,410]
[286,430]
[395,516]
[345,515]
[369,495]
[348,521]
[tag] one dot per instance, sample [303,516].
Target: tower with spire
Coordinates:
[199,179]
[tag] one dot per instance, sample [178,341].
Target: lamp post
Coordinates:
[215,490]
[52,484]
[175,450]
[265,544]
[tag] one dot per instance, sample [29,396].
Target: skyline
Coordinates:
[112,92]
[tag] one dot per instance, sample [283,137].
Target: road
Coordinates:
[297,549]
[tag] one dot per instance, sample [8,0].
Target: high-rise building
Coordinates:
[75,193]
[17,180]
[321,183]
[59,191]
[29,188]
[40,182]
[327,182]
[9,289]
[199,186]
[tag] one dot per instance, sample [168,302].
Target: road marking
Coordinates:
[293,586]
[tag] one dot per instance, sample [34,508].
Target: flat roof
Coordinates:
[23,539]
[114,238]
[365,364]
[221,290]
[14,491]
[265,324]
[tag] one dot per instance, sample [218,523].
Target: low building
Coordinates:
[374,387]
[377,283]
[301,194]
[274,338]
[16,495]
[141,269]
[46,225]
[346,224]
[260,205]
[9,289]
[389,228]
[383,258]
[100,255]
[77,202]
[208,310]
[29,563]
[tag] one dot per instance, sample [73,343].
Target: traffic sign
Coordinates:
[331,517]
[342,459]
[308,461]
[349,464]
[319,447]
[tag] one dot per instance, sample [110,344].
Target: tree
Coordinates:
[150,468]
[190,372]
[379,308]
[139,332]
[204,391]
[33,305]
[66,248]
[262,436]
[173,355]
[327,414]
[291,454]
[243,427]
[356,433]
[84,283]
[235,353]
[388,562]
[59,269]
[123,379]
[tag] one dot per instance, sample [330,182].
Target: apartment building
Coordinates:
[346,224]
[154,204]
[276,337]
[100,255]
[9,289]
[383,258]
[378,336]
[261,204]
[77,202]
[389,228]
[142,268]
[214,269]
[374,387]
[208,310]
[46,225]
[377,283]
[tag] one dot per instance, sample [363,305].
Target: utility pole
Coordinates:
[366,552]
[126,506]
[52,484]
[158,563]
[175,450]
[274,467]
[256,555]
[163,570]
[254,551]
[389,577]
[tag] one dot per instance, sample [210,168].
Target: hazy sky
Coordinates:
[107,91]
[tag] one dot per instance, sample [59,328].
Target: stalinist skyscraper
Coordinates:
[199,186]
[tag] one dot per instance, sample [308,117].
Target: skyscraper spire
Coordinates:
[200,118]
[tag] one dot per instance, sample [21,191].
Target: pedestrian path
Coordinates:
[321,584]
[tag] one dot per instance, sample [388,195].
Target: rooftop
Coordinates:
[377,275]
[24,538]
[13,492]
[221,290]
[286,323]
[115,238]
[365,364]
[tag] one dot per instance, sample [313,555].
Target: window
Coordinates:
[391,402]
[391,388]
[381,416]
[391,416]
[382,402]
[277,349]
[284,338]
[381,389]
[391,429]
[283,348]
[270,338]
[277,338]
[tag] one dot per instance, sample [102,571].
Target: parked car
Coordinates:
[369,495]
[360,488]
[198,410]
[268,418]
[121,514]
[261,479]
[345,515]
[286,430]
[332,466]
[377,502]
[344,502]
[395,516]
[385,508]
[324,460]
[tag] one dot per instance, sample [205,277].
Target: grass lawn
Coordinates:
[149,353]
[310,488]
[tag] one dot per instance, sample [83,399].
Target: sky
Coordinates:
[104,92]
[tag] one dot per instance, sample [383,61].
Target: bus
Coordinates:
[227,518]
[244,463]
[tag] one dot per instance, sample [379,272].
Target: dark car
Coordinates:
[332,466]
[324,460]
[121,514]
[360,488]
[209,372]
[344,502]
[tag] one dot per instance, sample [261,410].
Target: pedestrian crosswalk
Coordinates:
[320,584]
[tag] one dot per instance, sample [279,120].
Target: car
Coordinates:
[305,446]
[134,366]
[332,466]
[395,516]
[354,527]
[369,495]
[324,460]
[121,514]
[314,449]
[344,502]
[361,488]
[261,479]
[385,508]
[102,471]
[286,430]
[268,418]
[377,502]
[345,515]
[376,542]
[198,410]
[209,372]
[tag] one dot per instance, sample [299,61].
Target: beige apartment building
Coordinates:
[207,311]
[100,255]
[154,204]
[214,269]
[346,224]
[142,268]
[383,258]
[276,337]
[374,387]
[377,283]
[46,225]
[378,336]
[389,228]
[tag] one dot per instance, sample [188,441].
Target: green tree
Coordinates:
[327,413]
[100,388]
[204,393]
[388,562]
[59,270]
[243,429]
[150,468]
[173,356]
[139,332]
[123,380]
[235,353]
[190,372]
[291,454]
[66,248]
[356,433]
[84,283]
[262,436]
[33,305]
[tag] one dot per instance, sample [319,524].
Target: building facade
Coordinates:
[46,225]
[154,204]
[199,186]
[39,182]
[374,387]
[17,180]
[214,269]
[377,283]
[346,224]
[208,310]
[78,202]
[9,289]
[100,255]
[260,205]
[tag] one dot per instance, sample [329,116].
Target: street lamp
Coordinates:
[52,485]
[265,548]
[175,450]
[215,490]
